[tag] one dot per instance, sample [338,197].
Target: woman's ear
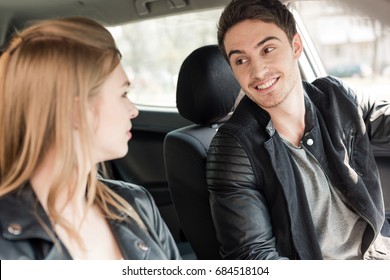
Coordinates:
[76,116]
[297,45]
[84,113]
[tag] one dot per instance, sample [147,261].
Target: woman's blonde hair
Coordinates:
[44,69]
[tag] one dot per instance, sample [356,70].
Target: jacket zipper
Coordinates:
[350,151]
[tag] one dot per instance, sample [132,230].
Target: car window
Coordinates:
[352,46]
[153,51]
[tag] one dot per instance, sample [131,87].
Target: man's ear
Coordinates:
[297,45]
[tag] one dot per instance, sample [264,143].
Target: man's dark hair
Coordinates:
[269,11]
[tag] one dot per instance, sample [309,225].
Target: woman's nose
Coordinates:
[133,110]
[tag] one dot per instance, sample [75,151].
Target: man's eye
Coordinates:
[268,50]
[241,61]
[125,94]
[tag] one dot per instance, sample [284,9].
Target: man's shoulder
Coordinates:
[246,116]
[331,95]
[328,80]
[328,87]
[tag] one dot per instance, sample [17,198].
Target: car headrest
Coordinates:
[206,88]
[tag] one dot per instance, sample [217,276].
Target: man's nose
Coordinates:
[258,69]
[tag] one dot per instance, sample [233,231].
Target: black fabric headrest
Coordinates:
[206,87]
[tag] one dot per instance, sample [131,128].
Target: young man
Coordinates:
[291,174]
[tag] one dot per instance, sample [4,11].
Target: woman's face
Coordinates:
[112,119]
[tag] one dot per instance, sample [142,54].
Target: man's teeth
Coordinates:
[266,85]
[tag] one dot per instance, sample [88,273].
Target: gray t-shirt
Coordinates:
[339,229]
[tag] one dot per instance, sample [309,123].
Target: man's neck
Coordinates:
[289,118]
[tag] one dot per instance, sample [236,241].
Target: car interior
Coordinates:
[206,94]
[169,146]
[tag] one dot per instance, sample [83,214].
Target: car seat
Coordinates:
[206,94]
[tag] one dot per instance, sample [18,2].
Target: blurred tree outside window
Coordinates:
[352,46]
[153,51]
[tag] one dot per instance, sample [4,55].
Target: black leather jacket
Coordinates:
[257,197]
[22,236]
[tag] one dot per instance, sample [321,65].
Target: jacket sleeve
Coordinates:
[239,210]
[159,230]
[375,112]
[144,204]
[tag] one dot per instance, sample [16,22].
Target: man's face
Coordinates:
[264,61]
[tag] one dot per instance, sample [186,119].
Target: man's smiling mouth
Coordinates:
[267,84]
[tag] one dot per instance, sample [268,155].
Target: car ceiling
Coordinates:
[119,11]
[109,12]
[15,13]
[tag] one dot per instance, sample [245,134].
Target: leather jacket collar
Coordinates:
[23,222]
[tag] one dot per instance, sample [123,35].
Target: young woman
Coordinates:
[64,109]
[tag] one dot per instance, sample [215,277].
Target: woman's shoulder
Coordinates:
[122,186]
[135,195]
